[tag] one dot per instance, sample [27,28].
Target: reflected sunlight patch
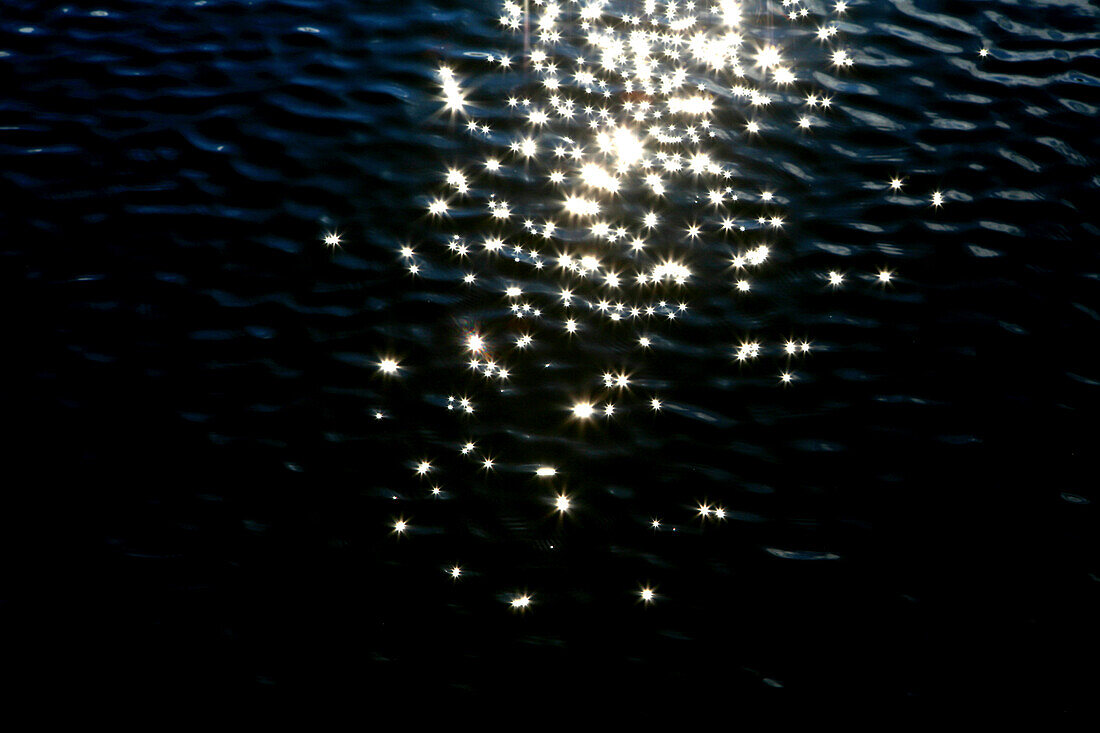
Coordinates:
[600,152]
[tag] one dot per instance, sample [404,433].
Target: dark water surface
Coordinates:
[913,520]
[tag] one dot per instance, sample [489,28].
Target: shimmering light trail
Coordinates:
[605,171]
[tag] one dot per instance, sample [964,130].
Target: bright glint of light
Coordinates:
[583,410]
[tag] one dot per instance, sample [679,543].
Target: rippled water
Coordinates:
[911,519]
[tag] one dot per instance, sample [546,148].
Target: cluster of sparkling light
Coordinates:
[616,107]
[706,511]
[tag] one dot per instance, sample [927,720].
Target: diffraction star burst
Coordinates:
[603,150]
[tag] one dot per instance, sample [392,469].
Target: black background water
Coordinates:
[199,496]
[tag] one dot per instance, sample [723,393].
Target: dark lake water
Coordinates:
[207,460]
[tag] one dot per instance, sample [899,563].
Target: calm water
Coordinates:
[911,520]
